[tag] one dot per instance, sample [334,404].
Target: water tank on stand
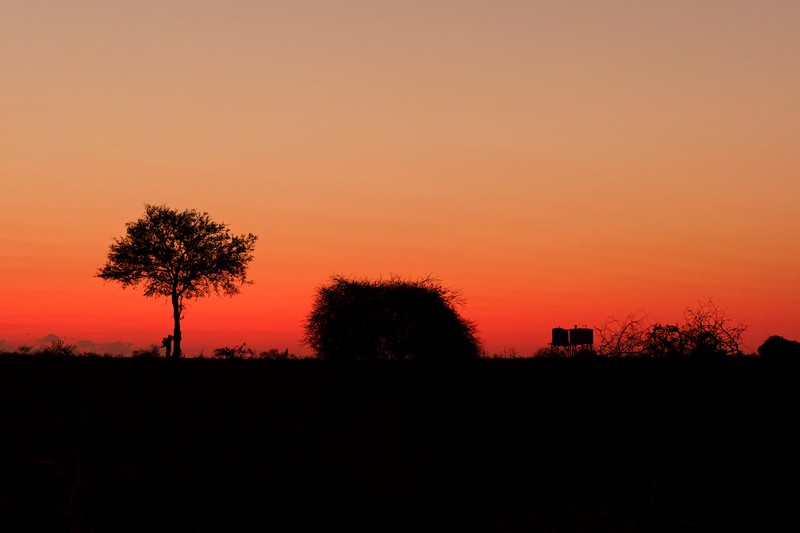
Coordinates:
[581,336]
[560,337]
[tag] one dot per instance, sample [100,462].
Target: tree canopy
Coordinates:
[390,319]
[181,255]
[777,348]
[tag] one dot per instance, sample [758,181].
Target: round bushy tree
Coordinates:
[777,348]
[391,319]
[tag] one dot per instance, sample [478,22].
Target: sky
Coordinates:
[558,162]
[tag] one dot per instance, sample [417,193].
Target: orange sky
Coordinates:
[560,162]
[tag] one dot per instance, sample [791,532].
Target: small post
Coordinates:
[166,342]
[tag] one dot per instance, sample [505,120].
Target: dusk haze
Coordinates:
[558,163]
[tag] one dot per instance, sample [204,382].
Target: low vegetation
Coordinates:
[705,332]
[243,351]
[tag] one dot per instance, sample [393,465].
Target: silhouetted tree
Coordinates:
[181,255]
[777,348]
[666,340]
[620,337]
[390,319]
[711,332]
[706,332]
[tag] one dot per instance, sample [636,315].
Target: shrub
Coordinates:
[391,319]
[243,351]
[506,353]
[151,352]
[706,332]
[277,355]
[57,347]
[777,348]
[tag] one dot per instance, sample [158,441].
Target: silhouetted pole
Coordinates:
[166,342]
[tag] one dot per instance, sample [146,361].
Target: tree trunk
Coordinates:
[176,316]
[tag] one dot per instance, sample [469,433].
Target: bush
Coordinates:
[391,319]
[506,353]
[243,351]
[549,352]
[57,347]
[274,354]
[151,352]
[778,349]
[706,332]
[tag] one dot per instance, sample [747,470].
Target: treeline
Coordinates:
[404,320]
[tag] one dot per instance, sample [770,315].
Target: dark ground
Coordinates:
[93,444]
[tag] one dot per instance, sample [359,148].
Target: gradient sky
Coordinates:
[559,162]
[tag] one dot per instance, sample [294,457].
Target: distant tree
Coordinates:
[705,332]
[711,331]
[777,348]
[666,340]
[181,255]
[625,336]
[390,319]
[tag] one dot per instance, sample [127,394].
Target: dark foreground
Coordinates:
[502,445]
